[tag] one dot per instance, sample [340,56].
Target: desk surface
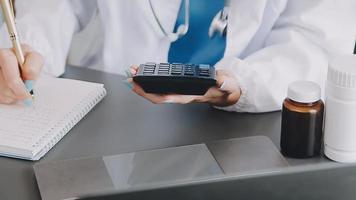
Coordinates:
[123,122]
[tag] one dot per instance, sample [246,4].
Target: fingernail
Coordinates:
[222,85]
[128,73]
[128,84]
[169,101]
[28,102]
[29,85]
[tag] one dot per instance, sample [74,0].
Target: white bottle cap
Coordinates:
[342,71]
[304,91]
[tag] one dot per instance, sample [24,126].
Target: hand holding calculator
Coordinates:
[184,83]
[177,78]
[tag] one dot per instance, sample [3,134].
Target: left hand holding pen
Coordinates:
[225,93]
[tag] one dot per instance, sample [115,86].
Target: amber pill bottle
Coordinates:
[302,120]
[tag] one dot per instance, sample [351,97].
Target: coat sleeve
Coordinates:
[48,27]
[305,36]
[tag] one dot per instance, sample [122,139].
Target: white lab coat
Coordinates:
[270,43]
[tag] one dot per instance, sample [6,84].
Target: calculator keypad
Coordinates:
[177,69]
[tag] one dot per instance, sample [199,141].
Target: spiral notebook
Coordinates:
[30,132]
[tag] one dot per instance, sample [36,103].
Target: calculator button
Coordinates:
[150,64]
[177,67]
[204,72]
[188,70]
[176,73]
[204,67]
[164,66]
[149,68]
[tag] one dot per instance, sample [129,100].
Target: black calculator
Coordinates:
[178,78]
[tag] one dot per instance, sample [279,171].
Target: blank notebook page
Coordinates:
[30,132]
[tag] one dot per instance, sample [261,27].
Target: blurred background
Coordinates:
[83,42]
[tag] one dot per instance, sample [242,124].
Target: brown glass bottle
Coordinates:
[302,127]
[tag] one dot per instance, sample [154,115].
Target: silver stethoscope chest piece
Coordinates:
[218,24]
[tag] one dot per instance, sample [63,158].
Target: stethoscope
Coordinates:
[218,24]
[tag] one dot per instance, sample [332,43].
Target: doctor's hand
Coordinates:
[12,86]
[225,93]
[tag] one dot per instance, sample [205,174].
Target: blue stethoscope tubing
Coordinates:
[218,24]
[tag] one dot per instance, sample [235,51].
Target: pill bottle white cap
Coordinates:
[304,91]
[342,71]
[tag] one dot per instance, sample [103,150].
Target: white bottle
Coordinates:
[340,113]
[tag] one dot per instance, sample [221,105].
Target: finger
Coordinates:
[4,90]
[220,77]
[184,99]
[134,69]
[32,67]
[131,71]
[222,98]
[8,93]
[7,100]
[154,98]
[26,48]
[214,92]
[11,73]
[233,98]
[227,84]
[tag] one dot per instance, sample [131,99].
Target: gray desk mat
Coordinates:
[71,179]
[247,155]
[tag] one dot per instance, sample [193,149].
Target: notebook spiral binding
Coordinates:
[56,133]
